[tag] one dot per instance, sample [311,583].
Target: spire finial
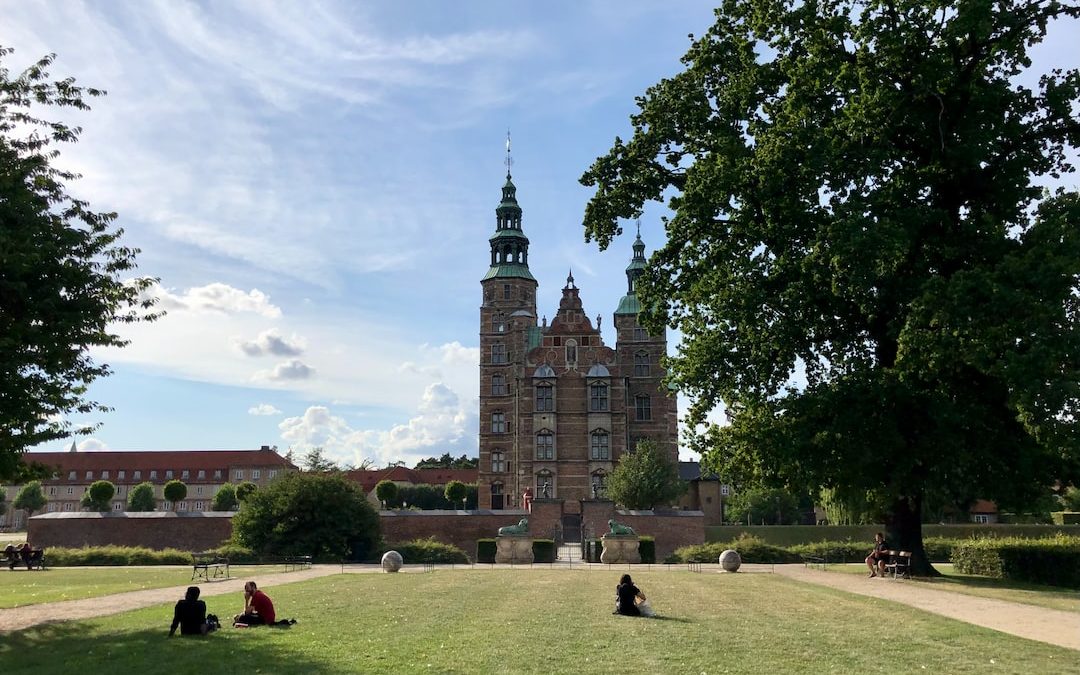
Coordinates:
[509,160]
[639,228]
[570,278]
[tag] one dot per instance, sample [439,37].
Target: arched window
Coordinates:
[642,408]
[598,397]
[545,445]
[498,385]
[641,364]
[498,423]
[545,398]
[600,448]
[498,461]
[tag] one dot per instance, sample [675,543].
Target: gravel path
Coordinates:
[1052,626]
[1035,623]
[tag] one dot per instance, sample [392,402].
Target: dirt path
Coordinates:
[1028,621]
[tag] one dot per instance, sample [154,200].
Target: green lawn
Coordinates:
[542,621]
[55,584]
[1051,597]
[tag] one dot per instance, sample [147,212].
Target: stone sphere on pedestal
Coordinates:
[730,561]
[391,561]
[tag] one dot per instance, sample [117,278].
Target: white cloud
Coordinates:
[215,298]
[263,409]
[271,342]
[441,422]
[293,369]
[455,353]
[92,445]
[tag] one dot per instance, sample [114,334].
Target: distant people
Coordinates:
[878,557]
[258,608]
[190,614]
[626,597]
[26,553]
[11,554]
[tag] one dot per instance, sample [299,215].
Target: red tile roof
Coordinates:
[983,506]
[162,460]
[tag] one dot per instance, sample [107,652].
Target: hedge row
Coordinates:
[429,551]
[543,550]
[1054,562]
[790,535]
[756,550]
[114,555]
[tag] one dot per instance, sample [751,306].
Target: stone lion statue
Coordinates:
[616,527]
[521,528]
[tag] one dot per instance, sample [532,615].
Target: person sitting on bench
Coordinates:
[258,608]
[878,557]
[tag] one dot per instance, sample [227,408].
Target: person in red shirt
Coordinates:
[258,609]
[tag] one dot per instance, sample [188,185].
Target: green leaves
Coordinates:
[644,478]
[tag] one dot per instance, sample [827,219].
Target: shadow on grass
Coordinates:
[676,619]
[97,648]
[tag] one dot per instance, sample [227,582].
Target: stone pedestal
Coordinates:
[513,549]
[621,548]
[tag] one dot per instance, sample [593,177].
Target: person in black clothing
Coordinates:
[626,595]
[190,614]
[878,557]
[12,555]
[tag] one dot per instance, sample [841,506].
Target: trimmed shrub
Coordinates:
[543,550]
[236,553]
[751,550]
[115,555]
[832,551]
[1054,562]
[429,550]
[485,550]
[647,549]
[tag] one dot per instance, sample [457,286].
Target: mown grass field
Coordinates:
[56,584]
[542,621]
[1051,597]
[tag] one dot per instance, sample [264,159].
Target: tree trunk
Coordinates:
[903,532]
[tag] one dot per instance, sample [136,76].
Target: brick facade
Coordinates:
[155,530]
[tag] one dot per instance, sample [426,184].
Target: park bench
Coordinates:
[37,559]
[899,564]
[209,566]
[297,562]
[811,560]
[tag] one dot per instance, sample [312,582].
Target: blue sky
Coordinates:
[315,182]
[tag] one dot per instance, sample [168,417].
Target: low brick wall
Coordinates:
[192,531]
[460,528]
[671,529]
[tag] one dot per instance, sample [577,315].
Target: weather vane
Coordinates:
[509,160]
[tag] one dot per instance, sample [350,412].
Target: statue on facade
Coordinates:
[617,528]
[526,499]
[521,528]
[546,491]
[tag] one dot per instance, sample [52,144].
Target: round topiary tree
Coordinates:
[141,498]
[98,496]
[175,491]
[225,498]
[387,492]
[456,492]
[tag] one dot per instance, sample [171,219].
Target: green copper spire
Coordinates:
[629,303]
[509,245]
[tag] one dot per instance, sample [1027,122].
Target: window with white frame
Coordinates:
[239,474]
[166,506]
[52,490]
[137,475]
[168,473]
[600,447]
[105,474]
[118,506]
[89,475]
[71,490]
[202,473]
[52,507]
[983,519]
[153,474]
[121,474]
[217,473]
[67,506]
[198,489]
[199,506]
[545,445]
[185,474]
[273,473]
[71,475]
[256,473]
[545,484]
[181,506]
[641,335]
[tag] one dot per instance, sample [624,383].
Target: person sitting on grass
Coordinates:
[878,557]
[258,608]
[190,614]
[626,597]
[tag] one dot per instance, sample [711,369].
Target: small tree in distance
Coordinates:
[31,498]
[225,498]
[644,478]
[245,490]
[386,492]
[175,491]
[98,496]
[141,498]
[456,492]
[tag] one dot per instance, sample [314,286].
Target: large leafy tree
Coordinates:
[763,506]
[644,478]
[319,514]
[63,273]
[31,498]
[861,259]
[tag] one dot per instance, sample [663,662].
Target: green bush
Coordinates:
[236,554]
[647,549]
[115,556]
[939,549]
[832,551]
[543,550]
[429,551]
[1054,562]
[751,549]
[790,535]
[485,550]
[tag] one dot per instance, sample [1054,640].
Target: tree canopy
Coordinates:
[175,491]
[861,257]
[98,497]
[763,506]
[448,462]
[387,492]
[64,276]
[225,498]
[30,498]
[644,478]
[314,514]
[456,492]
[141,498]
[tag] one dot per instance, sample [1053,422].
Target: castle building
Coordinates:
[558,407]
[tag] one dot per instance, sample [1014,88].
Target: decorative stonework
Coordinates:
[730,560]
[620,548]
[392,561]
[513,549]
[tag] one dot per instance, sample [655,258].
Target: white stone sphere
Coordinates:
[391,561]
[730,560]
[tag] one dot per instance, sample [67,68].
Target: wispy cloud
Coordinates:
[272,343]
[263,410]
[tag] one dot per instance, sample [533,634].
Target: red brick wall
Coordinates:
[671,529]
[156,530]
[460,528]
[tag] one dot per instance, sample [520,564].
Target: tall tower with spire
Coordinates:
[558,407]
